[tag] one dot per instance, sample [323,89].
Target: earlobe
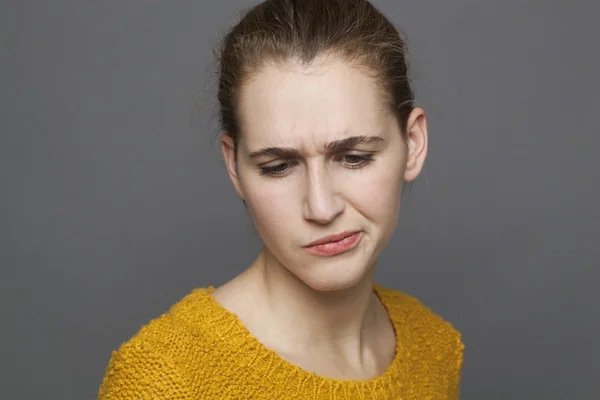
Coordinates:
[229,155]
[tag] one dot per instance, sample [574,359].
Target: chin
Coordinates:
[334,276]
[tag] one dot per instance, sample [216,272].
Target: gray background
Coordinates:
[114,202]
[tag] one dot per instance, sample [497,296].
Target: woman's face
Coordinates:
[321,154]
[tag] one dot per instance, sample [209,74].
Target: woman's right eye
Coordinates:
[277,170]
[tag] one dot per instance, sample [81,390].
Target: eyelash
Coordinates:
[275,171]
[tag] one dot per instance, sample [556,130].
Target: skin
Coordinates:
[318,312]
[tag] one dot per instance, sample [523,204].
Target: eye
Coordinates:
[355,161]
[277,170]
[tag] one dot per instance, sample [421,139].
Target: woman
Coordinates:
[319,137]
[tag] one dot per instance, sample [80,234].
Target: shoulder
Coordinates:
[183,323]
[148,365]
[140,369]
[406,309]
[427,337]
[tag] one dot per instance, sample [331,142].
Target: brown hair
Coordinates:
[283,31]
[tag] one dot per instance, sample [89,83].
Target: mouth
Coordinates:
[335,244]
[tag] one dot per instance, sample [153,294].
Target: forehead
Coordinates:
[299,106]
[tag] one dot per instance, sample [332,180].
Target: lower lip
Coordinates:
[334,248]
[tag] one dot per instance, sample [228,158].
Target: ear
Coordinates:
[416,129]
[228,150]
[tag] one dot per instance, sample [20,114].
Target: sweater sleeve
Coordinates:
[457,371]
[138,371]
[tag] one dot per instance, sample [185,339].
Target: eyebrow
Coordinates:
[334,147]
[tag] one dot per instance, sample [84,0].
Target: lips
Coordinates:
[332,238]
[333,245]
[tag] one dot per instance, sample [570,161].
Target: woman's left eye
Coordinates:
[356,160]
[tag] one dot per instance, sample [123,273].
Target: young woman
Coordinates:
[319,135]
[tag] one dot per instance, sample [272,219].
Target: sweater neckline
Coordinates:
[224,317]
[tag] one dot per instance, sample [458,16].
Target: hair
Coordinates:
[280,32]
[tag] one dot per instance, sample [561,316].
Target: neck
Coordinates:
[339,320]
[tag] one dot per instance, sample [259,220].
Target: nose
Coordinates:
[322,204]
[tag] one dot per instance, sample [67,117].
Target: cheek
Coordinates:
[377,196]
[273,206]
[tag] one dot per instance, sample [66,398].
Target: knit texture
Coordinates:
[200,350]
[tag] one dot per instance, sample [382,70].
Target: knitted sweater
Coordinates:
[200,350]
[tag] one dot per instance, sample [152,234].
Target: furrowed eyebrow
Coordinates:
[279,152]
[351,142]
[334,147]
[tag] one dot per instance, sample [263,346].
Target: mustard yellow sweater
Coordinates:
[200,350]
